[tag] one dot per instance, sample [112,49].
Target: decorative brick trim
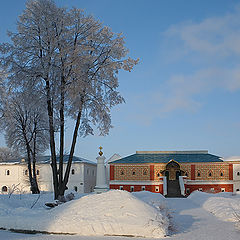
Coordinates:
[151,172]
[192,172]
[230,171]
[111,172]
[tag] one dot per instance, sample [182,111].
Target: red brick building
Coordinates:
[175,173]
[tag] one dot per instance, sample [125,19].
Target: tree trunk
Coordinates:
[74,140]
[61,193]
[52,141]
[35,183]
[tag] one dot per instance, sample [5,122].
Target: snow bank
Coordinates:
[111,213]
[224,206]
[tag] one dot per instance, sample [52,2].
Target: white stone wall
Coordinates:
[13,177]
[80,179]
[90,172]
[236,171]
[236,177]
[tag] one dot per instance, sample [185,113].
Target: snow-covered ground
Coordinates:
[114,213]
[201,216]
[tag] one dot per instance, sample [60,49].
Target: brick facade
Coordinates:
[211,188]
[137,188]
[148,174]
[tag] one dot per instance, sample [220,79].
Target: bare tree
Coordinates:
[26,129]
[75,61]
[7,154]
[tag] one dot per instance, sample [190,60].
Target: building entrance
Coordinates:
[173,170]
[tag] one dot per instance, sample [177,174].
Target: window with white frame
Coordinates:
[75,188]
[7,172]
[26,172]
[143,188]
[212,189]
[132,188]
[156,188]
[187,190]
[121,188]
[200,189]
[222,189]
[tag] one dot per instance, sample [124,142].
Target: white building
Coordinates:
[14,175]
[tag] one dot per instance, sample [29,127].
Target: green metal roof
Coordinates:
[166,157]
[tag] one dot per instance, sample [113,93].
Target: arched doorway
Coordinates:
[174,170]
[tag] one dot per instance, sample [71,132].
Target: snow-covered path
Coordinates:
[191,221]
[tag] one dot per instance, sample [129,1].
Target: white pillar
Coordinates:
[101,183]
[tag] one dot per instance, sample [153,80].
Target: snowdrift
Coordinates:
[111,213]
[224,206]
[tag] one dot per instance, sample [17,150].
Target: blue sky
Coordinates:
[185,92]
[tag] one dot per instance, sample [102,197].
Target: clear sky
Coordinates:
[185,92]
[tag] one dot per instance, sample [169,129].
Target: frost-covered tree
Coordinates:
[7,154]
[74,61]
[25,125]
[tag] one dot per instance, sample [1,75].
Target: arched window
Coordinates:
[8,172]
[199,174]
[26,172]
[221,174]
[4,189]
[38,172]
[158,174]
[210,174]
[238,173]
[144,172]
[73,171]
[133,173]
[122,172]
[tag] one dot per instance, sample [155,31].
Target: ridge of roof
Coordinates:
[174,152]
[47,159]
[166,157]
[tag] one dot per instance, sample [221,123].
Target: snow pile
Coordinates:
[111,213]
[154,199]
[224,206]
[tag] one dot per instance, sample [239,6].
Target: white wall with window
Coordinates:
[15,175]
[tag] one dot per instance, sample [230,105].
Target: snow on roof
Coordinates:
[47,160]
[114,157]
[232,158]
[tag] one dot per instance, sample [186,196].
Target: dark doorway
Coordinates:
[167,174]
[178,173]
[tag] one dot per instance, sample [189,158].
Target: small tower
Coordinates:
[101,183]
